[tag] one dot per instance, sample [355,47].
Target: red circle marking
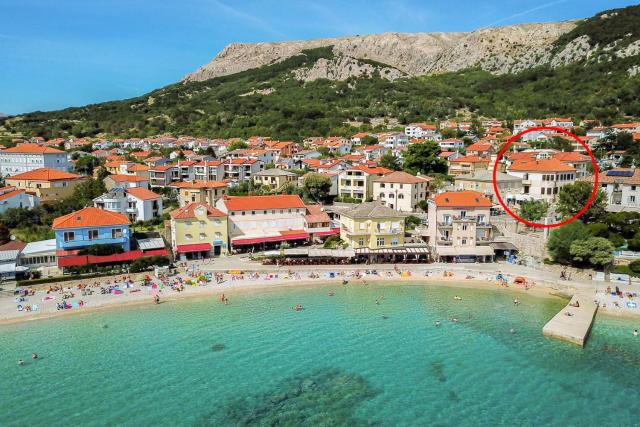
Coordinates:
[536,224]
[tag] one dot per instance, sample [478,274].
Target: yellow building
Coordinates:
[372,225]
[47,184]
[276,179]
[198,231]
[200,191]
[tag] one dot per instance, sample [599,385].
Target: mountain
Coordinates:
[498,50]
[586,68]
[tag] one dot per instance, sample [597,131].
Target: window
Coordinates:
[394,242]
[188,236]
[93,234]
[464,241]
[382,195]
[116,233]
[380,241]
[69,236]
[253,212]
[632,199]
[465,227]
[203,236]
[360,242]
[400,196]
[363,226]
[633,188]
[382,185]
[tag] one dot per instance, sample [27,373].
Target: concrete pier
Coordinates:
[573,328]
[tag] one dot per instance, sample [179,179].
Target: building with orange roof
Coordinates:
[356,138]
[89,227]
[372,226]
[137,203]
[459,227]
[209,170]
[468,164]
[626,127]
[318,165]
[125,181]
[241,168]
[580,162]
[281,148]
[48,185]
[198,230]
[198,191]
[542,178]
[481,149]
[621,186]
[11,197]
[401,191]
[275,179]
[421,130]
[267,221]
[27,157]
[356,182]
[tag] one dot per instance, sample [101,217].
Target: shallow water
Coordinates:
[344,360]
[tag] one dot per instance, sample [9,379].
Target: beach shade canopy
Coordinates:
[520,280]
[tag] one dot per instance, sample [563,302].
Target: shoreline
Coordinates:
[466,279]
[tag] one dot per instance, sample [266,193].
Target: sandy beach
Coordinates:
[256,278]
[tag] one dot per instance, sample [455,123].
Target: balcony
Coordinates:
[444,242]
[447,224]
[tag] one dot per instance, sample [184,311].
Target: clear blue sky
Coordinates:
[60,53]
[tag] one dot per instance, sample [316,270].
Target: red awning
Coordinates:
[281,238]
[196,247]
[71,261]
[331,232]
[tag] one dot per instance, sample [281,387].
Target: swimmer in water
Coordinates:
[34,356]
[635,332]
[20,362]
[437,323]
[512,331]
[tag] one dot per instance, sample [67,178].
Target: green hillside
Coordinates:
[600,87]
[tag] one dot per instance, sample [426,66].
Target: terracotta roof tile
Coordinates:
[90,217]
[46,174]
[461,199]
[143,193]
[245,203]
[188,211]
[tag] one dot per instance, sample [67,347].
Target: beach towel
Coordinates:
[34,307]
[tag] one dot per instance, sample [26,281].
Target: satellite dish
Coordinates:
[12,237]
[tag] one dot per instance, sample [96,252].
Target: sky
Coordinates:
[61,53]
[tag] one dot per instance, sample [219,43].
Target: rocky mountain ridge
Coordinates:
[498,50]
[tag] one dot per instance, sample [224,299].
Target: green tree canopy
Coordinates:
[596,251]
[573,197]
[561,238]
[533,210]
[423,158]
[316,186]
[390,161]
[237,145]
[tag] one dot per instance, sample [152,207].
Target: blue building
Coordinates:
[92,226]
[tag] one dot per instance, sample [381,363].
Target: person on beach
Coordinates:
[157,299]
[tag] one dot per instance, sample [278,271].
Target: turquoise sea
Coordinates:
[344,360]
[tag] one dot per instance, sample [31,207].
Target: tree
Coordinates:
[85,192]
[597,251]
[390,161]
[423,158]
[316,186]
[5,234]
[368,140]
[86,164]
[423,204]
[533,210]
[411,222]
[573,197]
[237,145]
[561,238]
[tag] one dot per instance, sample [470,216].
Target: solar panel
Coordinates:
[620,173]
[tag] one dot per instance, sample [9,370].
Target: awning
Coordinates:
[265,239]
[71,261]
[503,246]
[151,243]
[464,251]
[196,247]
[331,232]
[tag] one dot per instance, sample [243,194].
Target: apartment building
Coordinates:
[459,228]
[198,231]
[372,225]
[357,181]
[28,157]
[138,204]
[47,184]
[401,191]
[207,192]
[622,187]
[542,178]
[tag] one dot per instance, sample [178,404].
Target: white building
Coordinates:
[622,187]
[401,191]
[451,144]
[420,130]
[139,204]
[542,179]
[11,197]
[28,157]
